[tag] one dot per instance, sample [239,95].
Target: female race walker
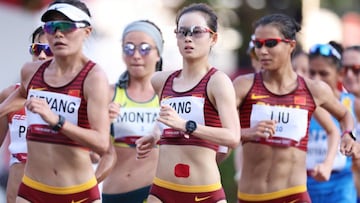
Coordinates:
[275,109]
[197,114]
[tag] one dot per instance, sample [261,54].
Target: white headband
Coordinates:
[73,13]
[147,28]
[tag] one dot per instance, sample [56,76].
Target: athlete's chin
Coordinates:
[267,67]
[190,57]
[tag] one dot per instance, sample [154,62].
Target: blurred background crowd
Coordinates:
[322,21]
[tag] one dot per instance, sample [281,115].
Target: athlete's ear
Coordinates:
[292,45]
[214,38]
[88,31]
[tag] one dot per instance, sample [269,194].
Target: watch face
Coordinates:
[190,126]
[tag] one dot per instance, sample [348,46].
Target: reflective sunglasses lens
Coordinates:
[321,49]
[48,28]
[144,49]
[36,49]
[63,26]
[258,44]
[270,42]
[354,68]
[32,50]
[325,50]
[129,49]
[47,51]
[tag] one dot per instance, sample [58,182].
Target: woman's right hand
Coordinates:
[144,145]
[263,129]
[114,110]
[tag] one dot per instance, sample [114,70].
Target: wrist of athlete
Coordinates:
[245,136]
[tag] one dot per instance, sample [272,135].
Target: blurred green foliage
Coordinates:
[227,171]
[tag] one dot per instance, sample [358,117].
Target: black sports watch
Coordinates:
[351,133]
[190,126]
[59,124]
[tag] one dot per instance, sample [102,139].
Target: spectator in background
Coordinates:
[15,124]
[300,63]
[350,72]
[329,181]
[255,64]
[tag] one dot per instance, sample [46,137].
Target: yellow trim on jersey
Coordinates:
[117,144]
[59,190]
[186,188]
[272,195]
[122,98]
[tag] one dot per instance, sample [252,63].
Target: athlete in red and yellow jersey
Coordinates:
[197,114]
[67,112]
[275,107]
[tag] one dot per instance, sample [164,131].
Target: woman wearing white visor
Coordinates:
[67,111]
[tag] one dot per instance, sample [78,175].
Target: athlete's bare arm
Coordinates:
[96,92]
[158,81]
[224,100]
[242,85]
[11,100]
[357,154]
[322,171]
[106,164]
[3,120]
[325,98]
[3,129]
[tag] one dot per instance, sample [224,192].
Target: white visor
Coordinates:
[73,13]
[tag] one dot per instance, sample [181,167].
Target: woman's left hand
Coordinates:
[348,146]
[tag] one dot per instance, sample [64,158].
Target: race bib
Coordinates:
[291,122]
[65,105]
[135,121]
[188,108]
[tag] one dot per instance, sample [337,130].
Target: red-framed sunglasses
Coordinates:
[195,31]
[271,42]
[354,68]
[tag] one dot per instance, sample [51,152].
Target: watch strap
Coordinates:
[350,132]
[59,124]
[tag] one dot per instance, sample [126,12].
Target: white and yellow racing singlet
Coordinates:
[136,119]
